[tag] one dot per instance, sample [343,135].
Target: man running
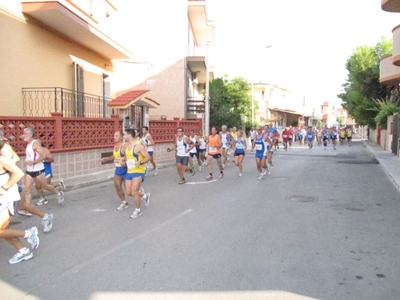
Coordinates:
[224,136]
[202,148]
[24,208]
[334,136]
[325,137]
[285,138]
[259,146]
[214,152]
[135,156]
[310,138]
[35,168]
[120,168]
[239,149]
[48,173]
[10,174]
[194,151]
[182,146]
[148,139]
[349,135]
[252,134]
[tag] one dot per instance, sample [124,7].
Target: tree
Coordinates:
[363,85]
[229,101]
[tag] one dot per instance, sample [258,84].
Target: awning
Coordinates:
[135,97]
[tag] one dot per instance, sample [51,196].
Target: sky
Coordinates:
[311,41]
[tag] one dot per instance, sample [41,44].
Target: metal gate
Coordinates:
[395,134]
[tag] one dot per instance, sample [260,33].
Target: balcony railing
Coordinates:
[195,106]
[42,101]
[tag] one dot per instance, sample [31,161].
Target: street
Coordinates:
[323,225]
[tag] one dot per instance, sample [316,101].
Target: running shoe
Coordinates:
[199,168]
[33,239]
[60,198]
[147,200]
[183,181]
[48,223]
[192,171]
[141,190]
[136,214]
[42,202]
[155,172]
[62,185]
[123,205]
[221,175]
[260,177]
[20,257]
[24,213]
[240,175]
[209,177]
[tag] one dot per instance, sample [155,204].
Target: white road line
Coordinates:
[203,182]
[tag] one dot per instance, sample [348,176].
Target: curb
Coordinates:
[383,163]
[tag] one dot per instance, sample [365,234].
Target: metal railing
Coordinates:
[195,105]
[42,101]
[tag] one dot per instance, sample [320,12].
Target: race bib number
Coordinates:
[181,148]
[130,164]
[258,147]
[213,149]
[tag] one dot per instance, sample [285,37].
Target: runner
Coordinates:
[214,152]
[10,174]
[35,168]
[310,137]
[349,135]
[48,173]
[291,133]
[120,167]
[148,139]
[334,136]
[239,149]
[202,149]
[194,151]
[260,150]
[325,137]
[224,135]
[319,136]
[285,138]
[182,146]
[135,156]
[252,134]
[24,208]
[342,135]
[269,151]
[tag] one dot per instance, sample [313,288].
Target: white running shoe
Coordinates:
[147,200]
[48,223]
[33,239]
[123,205]
[62,185]
[21,256]
[136,214]
[141,190]
[24,213]
[199,168]
[155,172]
[60,198]
[260,177]
[42,202]
[240,174]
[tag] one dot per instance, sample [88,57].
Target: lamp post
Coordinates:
[252,95]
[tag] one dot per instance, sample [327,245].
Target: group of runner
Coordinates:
[15,199]
[219,145]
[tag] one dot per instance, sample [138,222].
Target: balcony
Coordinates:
[390,5]
[389,74]
[42,101]
[203,29]
[194,106]
[72,21]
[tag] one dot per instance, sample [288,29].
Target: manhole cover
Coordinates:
[299,198]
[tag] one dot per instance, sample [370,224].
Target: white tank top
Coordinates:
[224,140]
[203,143]
[181,146]
[32,155]
[149,148]
[193,150]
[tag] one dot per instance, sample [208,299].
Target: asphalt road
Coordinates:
[323,225]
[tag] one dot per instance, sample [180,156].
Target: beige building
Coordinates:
[276,105]
[74,56]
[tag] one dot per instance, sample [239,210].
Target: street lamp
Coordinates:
[252,95]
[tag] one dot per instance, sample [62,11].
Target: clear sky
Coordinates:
[311,41]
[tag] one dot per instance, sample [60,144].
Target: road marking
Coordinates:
[202,182]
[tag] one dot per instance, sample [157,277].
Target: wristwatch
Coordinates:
[4,188]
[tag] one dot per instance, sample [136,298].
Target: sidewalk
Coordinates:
[104,176]
[389,162]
